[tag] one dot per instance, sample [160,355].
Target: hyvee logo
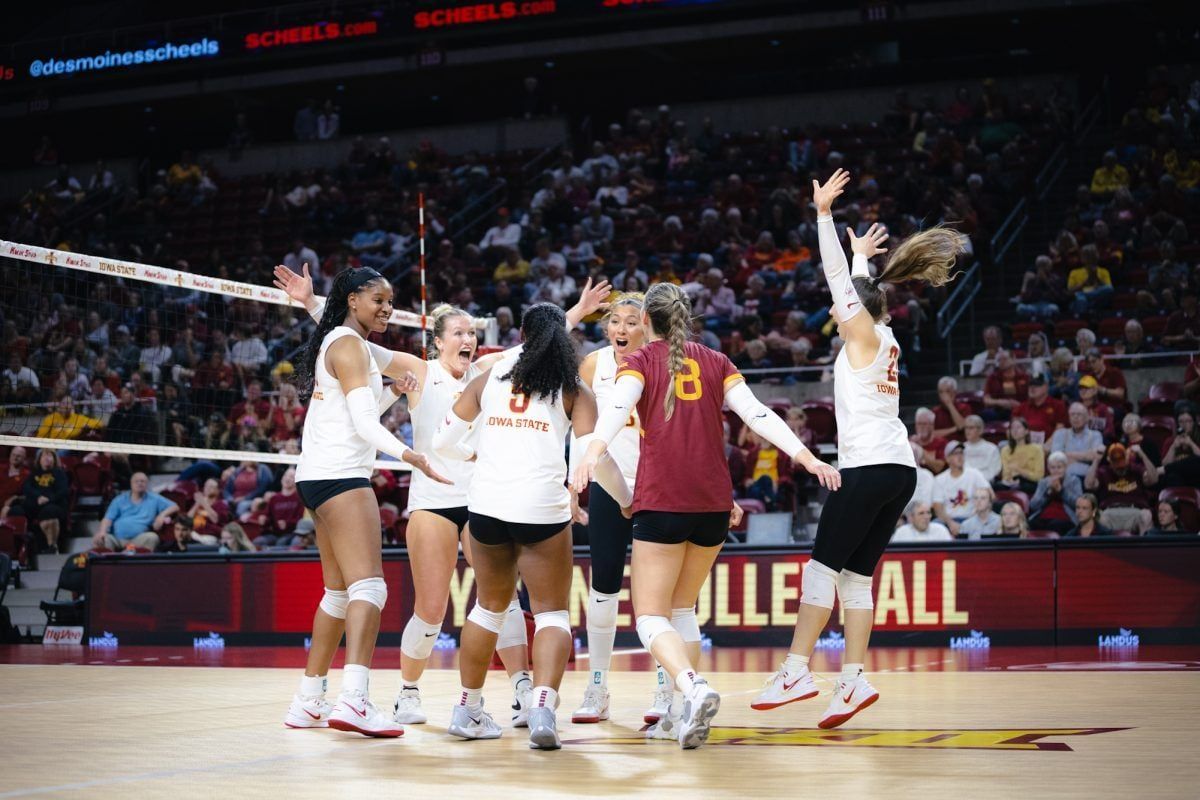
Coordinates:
[976,641]
[106,641]
[1124,638]
[63,635]
[213,641]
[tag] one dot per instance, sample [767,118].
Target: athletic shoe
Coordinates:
[785,687]
[473,723]
[543,732]
[308,712]
[522,701]
[355,712]
[660,707]
[407,709]
[594,707]
[849,698]
[666,728]
[700,705]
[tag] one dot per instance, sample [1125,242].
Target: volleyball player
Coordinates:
[683,495]
[342,433]
[520,511]
[437,511]
[874,455]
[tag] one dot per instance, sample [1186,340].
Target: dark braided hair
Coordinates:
[548,364]
[337,306]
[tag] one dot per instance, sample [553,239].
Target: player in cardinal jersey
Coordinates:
[874,455]
[520,511]
[683,495]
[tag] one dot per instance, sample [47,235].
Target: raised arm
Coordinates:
[857,329]
[591,300]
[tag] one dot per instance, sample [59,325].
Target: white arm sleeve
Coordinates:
[762,420]
[860,266]
[389,399]
[627,390]
[449,441]
[382,356]
[608,474]
[364,414]
[837,271]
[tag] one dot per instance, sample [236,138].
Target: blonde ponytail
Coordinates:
[926,256]
[670,314]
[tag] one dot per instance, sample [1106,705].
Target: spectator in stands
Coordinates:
[631,271]
[20,383]
[245,484]
[131,423]
[64,422]
[1085,339]
[597,226]
[1167,522]
[125,354]
[980,453]
[248,354]
[1063,379]
[1043,292]
[154,356]
[73,381]
[1110,380]
[1022,462]
[255,406]
[183,178]
[305,538]
[578,251]
[1080,443]
[1013,521]
[287,414]
[921,527]
[12,482]
[1131,434]
[985,360]
[234,540]
[1006,388]
[371,243]
[1042,413]
[302,254]
[133,517]
[1100,415]
[1123,487]
[715,301]
[1087,522]
[512,268]
[954,488]
[508,333]
[1038,353]
[950,415]
[985,521]
[505,235]
[1183,326]
[183,537]
[1090,283]
[46,497]
[284,508]
[556,287]
[1109,176]
[932,446]
[329,122]
[1053,504]
[304,126]
[209,511]
[544,257]
[1181,452]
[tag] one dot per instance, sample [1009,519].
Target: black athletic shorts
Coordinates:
[314,493]
[458,515]
[703,528]
[489,530]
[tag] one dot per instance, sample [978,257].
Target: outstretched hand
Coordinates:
[592,298]
[420,462]
[297,287]
[825,194]
[826,475]
[869,244]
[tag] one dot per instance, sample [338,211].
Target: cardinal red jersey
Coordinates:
[682,465]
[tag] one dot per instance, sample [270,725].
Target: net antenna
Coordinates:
[421,262]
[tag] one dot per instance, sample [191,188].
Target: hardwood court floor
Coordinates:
[153,731]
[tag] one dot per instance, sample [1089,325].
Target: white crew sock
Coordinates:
[471,697]
[313,685]
[851,672]
[545,697]
[686,679]
[355,678]
[794,663]
[664,682]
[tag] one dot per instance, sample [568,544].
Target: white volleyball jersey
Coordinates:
[867,403]
[521,471]
[438,394]
[626,448]
[331,448]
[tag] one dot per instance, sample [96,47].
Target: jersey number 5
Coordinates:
[687,381]
[518,403]
[893,375]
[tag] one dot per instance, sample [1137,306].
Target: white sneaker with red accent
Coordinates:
[355,712]
[785,687]
[849,698]
[308,712]
[660,707]
[594,707]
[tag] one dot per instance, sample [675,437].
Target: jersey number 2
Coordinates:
[893,375]
[687,381]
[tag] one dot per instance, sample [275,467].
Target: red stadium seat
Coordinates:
[750,506]
[253,529]
[822,420]
[1188,499]
[1157,429]
[1042,535]
[88,480]
[1014,496]
[779,405]
[973,399]
[1156,408]
[1021,331]
[1154,326]
[1111,328]
[995,432]
[1166,390]
[1067,328]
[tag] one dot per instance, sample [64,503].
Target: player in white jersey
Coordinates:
[438,512]
[341,436]
[521,509]
[874,456]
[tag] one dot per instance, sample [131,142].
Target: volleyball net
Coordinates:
[159,366]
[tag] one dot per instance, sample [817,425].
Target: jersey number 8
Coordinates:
[687,381]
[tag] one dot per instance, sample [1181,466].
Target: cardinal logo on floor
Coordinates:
[935,739]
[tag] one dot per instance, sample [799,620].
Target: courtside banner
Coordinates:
[972,595]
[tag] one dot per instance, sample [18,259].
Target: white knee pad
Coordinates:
[854,590]
[650,628]
[601,612]
[334,602]
[513,632]
[552,619]
[369,590]
[818,587]
[684,621]
[419,638]
[488,620]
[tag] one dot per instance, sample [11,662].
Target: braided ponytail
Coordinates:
[670,314]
